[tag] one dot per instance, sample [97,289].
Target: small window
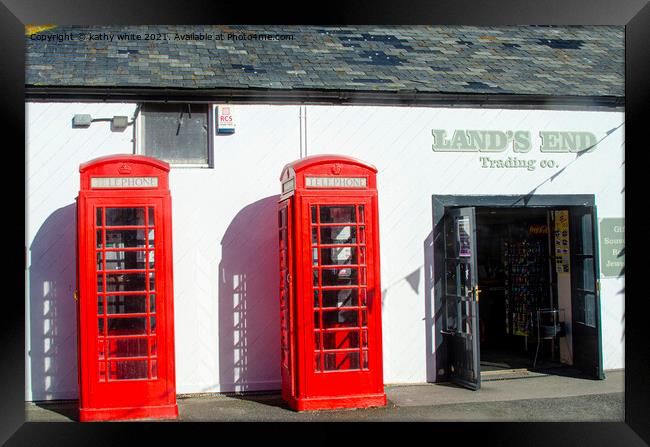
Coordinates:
[177,133]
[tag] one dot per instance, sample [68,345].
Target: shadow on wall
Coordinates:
[249,307]
[433,310]
[52,309]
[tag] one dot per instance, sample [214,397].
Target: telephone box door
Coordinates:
[124,311]
[342,306]
[461,298]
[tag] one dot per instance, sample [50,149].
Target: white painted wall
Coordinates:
[224,228]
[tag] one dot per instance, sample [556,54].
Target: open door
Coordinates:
[585,292]
[461,298]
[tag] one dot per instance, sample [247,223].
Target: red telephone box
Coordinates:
[330,296]
[125,294]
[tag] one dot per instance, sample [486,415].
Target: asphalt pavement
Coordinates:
[527,398]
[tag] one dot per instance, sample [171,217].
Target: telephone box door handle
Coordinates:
[75,295]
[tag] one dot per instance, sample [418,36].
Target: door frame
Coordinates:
[439,205]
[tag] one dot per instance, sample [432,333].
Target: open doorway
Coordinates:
[520,322]
[516,286]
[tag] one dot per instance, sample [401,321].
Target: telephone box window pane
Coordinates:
[100,326]
[362,235]
[338,255]
[100,265]
[151,238]
[150,217]
[154,346]
[127,347]
[317,340]
[125,239]
[314,256]
[153,324]
[337,361]
[314,236]
[99,239]
[127,369]
[126,304]
[313,214]
[362,217]
[176,133]
[124,216]
[362,273]
[100,305]
[338,235]
[365,359]
[125,260]
[126,282]
[317,362]
[154,369]
[127,326]
[340,277]
[100,282]
[341,340]
[315,276]
[340,319]
[362,294]
[317,320]
[152,303]
[362,255]
[316,302]
[102,371]
[340,298]
[364,338]
[152,281]
[152,260]
[98,218]
[337,214]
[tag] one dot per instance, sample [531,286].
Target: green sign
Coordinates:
[612,247]
[497,142]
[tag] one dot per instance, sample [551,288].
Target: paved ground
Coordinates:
[533,398]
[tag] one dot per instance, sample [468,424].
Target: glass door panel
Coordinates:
[339,273]
[126,299]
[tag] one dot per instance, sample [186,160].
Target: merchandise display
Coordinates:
[526,283]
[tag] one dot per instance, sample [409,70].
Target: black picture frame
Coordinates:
[633,14]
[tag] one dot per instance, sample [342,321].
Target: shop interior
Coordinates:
[520,324]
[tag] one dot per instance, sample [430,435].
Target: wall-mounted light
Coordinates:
[81,121]
[118,123]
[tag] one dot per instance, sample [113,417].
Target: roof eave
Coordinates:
[249,95]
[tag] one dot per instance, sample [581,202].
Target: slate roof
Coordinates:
[523,60]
